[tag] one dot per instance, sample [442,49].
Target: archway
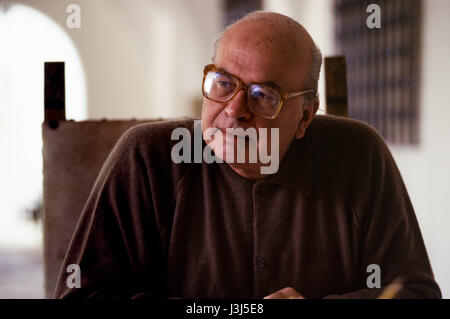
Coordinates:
[28,39]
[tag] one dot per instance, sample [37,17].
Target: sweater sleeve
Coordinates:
[389,234]
[117,242]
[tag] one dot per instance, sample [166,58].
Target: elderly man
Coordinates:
[335,207]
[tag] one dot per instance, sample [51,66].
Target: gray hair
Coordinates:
[314,72]
[315,62]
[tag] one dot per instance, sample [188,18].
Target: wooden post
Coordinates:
[336,86]
[54,93]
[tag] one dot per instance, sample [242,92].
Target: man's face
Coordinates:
[253,60]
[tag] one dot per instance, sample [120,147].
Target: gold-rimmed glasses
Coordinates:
[265,100]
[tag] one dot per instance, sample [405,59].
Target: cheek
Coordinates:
[289,121]
[287,129]
[210,112]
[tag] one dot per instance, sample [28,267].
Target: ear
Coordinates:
[308,114]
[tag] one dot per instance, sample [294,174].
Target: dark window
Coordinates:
[382,65]
[236,9]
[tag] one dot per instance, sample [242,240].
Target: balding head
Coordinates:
[276,53]
[280,37]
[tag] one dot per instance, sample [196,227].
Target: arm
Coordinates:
[384,229]
[390,234]
[116,242]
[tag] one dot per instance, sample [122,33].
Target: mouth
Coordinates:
[232,134]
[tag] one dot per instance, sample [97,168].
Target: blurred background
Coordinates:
[144,59]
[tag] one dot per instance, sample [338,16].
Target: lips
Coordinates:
[224,131]
[232,134]
[227,136]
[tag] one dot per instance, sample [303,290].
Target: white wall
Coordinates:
[24,47]
[123,46]
[426,168]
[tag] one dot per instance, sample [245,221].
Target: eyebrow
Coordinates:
[268,83]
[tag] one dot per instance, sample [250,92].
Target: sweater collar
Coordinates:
[295,169]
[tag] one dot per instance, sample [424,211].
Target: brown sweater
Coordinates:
[152,228]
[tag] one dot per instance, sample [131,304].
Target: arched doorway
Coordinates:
[28,39]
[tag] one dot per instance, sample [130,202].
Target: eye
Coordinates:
[227,85]
[262,94]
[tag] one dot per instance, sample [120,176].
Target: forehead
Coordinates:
[256,58]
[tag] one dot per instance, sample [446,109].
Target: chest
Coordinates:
[247,240]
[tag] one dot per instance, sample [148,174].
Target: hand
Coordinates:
[285,293]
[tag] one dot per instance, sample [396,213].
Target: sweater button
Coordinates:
[260,262]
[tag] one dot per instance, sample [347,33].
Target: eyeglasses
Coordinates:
[263,100]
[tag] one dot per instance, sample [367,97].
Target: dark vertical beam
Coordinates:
[54,93]
[336,86]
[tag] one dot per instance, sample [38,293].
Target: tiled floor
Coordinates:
[21,274]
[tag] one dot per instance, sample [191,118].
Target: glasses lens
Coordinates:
[263,100]
[218,86]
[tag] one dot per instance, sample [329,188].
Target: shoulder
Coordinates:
[154,132]
[349,154]
[341,131]
[153,138]
[148,146]
[343,139]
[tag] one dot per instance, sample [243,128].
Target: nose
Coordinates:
[237,107]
